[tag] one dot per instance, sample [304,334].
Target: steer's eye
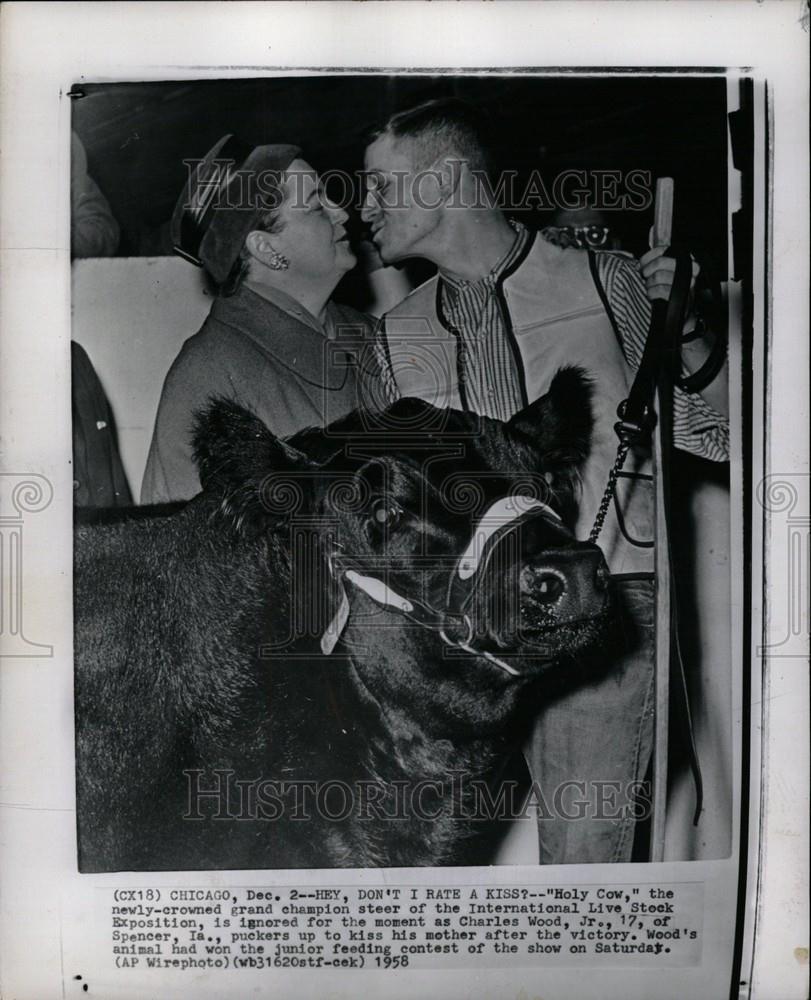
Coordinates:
[386,513]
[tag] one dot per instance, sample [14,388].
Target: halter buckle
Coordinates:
[465,620]
[631,432]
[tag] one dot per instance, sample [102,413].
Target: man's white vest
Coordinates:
[554,315]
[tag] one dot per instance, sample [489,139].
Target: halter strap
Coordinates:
[500,519]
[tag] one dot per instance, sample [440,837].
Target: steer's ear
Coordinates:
[558,425]
[241,461]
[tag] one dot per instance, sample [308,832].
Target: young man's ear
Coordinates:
[449,172]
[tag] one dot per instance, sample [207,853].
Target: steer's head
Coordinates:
[429,545]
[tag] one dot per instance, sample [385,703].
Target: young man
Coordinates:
[506,310]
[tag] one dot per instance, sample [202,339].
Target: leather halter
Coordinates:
[500,520]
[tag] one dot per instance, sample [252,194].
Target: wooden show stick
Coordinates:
[662,661]
[660,236]
[663,213]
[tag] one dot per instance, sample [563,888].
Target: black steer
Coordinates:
[324,657]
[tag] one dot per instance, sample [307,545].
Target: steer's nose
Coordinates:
[566,583]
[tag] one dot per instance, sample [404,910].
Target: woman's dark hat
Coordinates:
[226,194]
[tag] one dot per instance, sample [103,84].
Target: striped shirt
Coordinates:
[697,427]
[492,378]
[471,308]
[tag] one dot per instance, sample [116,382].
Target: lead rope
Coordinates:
[608,493]
[636,416]
[636,422]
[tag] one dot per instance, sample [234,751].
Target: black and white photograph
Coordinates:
[406,576]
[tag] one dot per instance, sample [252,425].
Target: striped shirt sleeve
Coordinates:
[697,427]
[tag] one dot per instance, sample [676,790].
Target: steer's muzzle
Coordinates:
[564,586]
[555,599]
[537,591]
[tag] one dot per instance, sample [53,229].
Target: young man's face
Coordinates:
[402,206]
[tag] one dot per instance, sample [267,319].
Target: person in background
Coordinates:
[98,475]
[586,228]
[94,231]
[258,221]
[506,310]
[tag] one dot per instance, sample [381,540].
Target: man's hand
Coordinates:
[658,271]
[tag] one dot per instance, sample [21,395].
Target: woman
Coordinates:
[259,223]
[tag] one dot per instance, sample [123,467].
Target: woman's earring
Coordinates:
[278,262]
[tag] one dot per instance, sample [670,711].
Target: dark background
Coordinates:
[138,134]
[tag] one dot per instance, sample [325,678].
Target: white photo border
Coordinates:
[45,48]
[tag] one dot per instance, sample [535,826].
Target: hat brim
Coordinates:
[223,200]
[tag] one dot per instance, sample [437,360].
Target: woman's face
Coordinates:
[312,235]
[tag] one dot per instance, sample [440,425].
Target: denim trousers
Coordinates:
[590,749]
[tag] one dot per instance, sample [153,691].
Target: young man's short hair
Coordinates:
[444,127]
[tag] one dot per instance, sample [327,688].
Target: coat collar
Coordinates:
[293,341]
